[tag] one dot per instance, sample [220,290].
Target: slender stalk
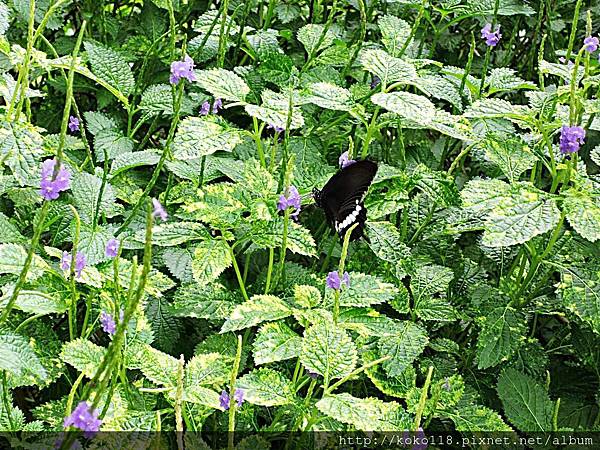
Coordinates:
[178,403]
[423,399]
[238,274]
[232,402]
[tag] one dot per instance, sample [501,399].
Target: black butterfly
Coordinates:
[342,197]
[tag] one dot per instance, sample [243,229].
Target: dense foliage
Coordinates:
[163,265]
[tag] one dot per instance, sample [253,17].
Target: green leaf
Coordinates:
[270,235]
[12,260]
[275,111]
[387,68]
[307,296]
[365,290]
[260,308]
[21,150]
[32,301]
[512,156]
[110,66]
[275,342]
[476,418]
[18,358]
[328,351]
[386,243]
[84,355]
[266,387]
[394,33]
[583,213]
[198,136]
[203,301]
[410,107]
[314,38]
[526,403]
[505,79]
[579,291]
[93,244]
[427,281]
[207,369]
[175,233]
[159,367]
[365,414]
[127,161]
[86,191]
[223,84]
[505,7]
[111,143]
[4,18]
[211,258]
[9,233]
[405,341]
[501,336]
[179,262]
[330,96]
[96,122]
[158,99]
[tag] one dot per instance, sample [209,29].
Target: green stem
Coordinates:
[7,405]
[237,271]
[421,404]
[232,402]
[269,270]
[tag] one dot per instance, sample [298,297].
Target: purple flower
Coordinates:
[344,160]
[333,280]
[224,400]
[275,128]
[159,211]
[65,263]
[217,105]
[51,186]
[446,384]
[292,199]
[312,374]
[73,124]
[205,109]
[85,419]
[182,69]
[108,323]
[238,395]
[112,248]
[571,138]
[491,38]
[590,44]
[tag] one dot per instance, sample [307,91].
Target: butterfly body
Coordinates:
[343,195]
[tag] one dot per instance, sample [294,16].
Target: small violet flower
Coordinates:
[312,374]
[224,398]
[217,105]
[333,280]
[205,109]
[50,186]
[291,200]
[446,384]
[108,323]
[84,418]
[590,44]
[375,82]
[182,69]
[491,37]
[344,161]
[159,211]
[112,248]
[80,262]
[73,124]
[275,128]
[571,138]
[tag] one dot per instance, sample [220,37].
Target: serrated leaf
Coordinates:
[84,355]
[583,213]
[266,387]
[505,79]
[158,99]
[111,143]
[9,233]
[275,342]
[12,260]
[21,149]
[204,301]
[385,241]
[110,66]
[314,38]
[504,8]
[223,84]
[388,68]
[276,116]
[526,403]
[124,162]
[365,290]
[207,369]
[18,358]
[365,414]
[579,291]
[260,308]
[444,87]
[4,18]
[404,343]
[411,107]
[512,156]
[179,262]
[159,367]
[197,137]
[427,281]
[476,418]
[93,244]
[96,122]
[211,258]
[175,233]
[86,192]
[501,335]
[330,96]
[328,351]
[32,301]
[394,33]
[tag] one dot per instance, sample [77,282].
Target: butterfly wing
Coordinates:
[342,197]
